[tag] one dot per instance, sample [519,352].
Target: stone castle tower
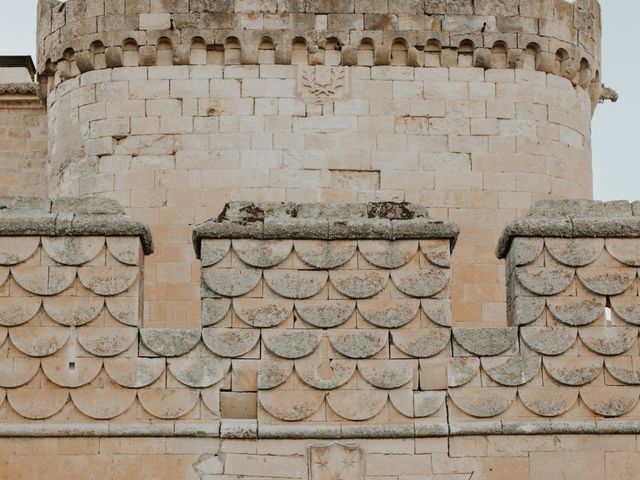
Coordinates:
[245,266]
[174,108]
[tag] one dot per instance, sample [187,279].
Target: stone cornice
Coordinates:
[574,219]
[26,216]
[237,429]
[379,221]
[18,89]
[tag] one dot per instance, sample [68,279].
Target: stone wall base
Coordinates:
[533,457]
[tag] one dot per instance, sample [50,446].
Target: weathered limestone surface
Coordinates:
[319,328]
[176,108]
[317,333]
[70,217]
[316,326]
[23,140]
[316,338]
[173,160]
[572,281]
[70,310]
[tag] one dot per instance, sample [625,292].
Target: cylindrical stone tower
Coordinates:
[474,108]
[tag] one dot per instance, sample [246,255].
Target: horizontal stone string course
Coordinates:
[465,54]
[242,430]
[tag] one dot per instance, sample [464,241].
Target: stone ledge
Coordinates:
[110,430]
[27,216]
[18,89]
[313,221]
[251,430]
[574,219]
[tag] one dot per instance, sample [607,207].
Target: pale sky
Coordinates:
[616,128]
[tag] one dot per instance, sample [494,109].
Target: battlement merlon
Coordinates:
[70,217]
[572,219]
[387,221]
[565,35]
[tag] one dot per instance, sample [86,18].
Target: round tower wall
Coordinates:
[176,107]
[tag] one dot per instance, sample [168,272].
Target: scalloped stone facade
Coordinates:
[279,261]
[327,347]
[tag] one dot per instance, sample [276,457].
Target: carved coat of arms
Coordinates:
[336,462]
[323,83]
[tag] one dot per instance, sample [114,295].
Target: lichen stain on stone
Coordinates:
[390,211]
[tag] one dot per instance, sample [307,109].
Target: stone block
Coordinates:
[268,88]
[398,464]
[254,465]
[198,88]
[148,89]
[155,21]
[238,405]
[587,465]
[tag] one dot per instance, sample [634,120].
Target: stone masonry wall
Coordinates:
[318,321]
[80,29]
[174,144]
[588,457]
[174,108]
[325,351]
[23,141]
[329,340]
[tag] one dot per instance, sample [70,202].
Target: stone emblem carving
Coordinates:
[323,84]
[336,462]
